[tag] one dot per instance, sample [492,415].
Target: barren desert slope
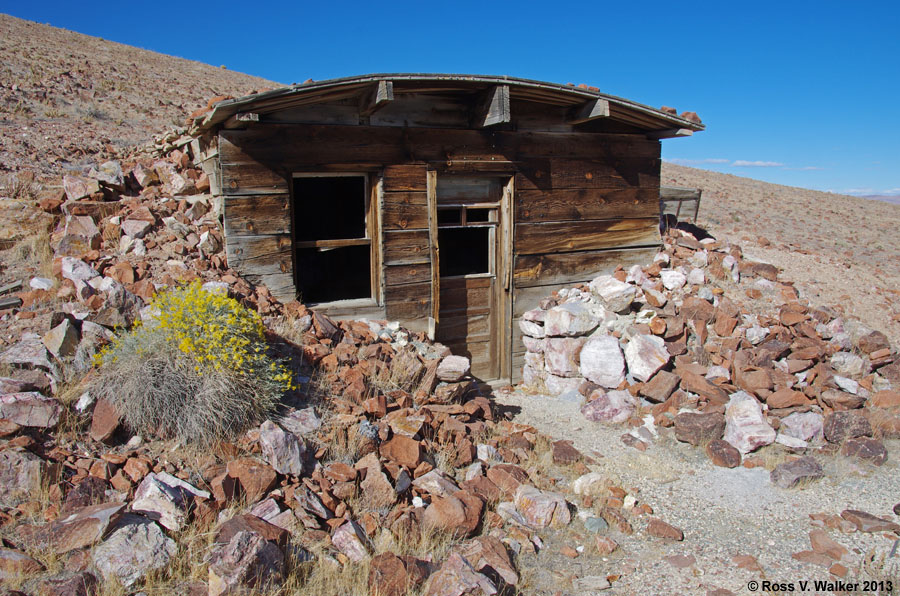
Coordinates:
[68,98]
[840,250]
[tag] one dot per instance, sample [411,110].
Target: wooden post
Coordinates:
[431,200]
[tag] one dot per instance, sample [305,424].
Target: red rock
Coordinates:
[340,472]
[813,558]
[255,477]
[660,386]
[459,514]
[457,577]
[403,450]
[482,487]
[564,453]
[786,398]
[696,428]
[605,545]
[568,551]
[507,478]
[838,570]
[387,576]
[840,426]
[137,468]
[105,421]
[876,340]
[823,544]
[723,454]
[866,522]
[748,562]
[660,529]
[694,308]
[871,450]
[487,554]
[253,524]
[885,399]
[695,383]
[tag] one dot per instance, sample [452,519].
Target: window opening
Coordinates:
[331,239]
[465,235]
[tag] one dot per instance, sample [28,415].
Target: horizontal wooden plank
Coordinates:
[471,296]
[251,177]
[404,177]
[257,215]
[601,172]
[453,283]
[293,146]
[406,247]
[574,204]
[571,267]
[675,193]
[456,329]
[346,310]
[260,254]
[546,238]
[405,210]
[336,243]
[281,285]
[395,275]
[407,302]
[469,189]
[264,260]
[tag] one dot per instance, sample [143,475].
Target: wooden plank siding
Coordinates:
[583,203]
[406,245]
[579,218]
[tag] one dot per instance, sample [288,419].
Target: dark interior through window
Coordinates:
[333,255]
[329,208]
[327,274]
[464,251]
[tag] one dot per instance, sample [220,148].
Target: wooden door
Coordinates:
[470,227]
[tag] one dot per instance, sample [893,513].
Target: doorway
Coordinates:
[471,234]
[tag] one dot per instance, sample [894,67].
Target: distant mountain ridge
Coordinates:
[894,199]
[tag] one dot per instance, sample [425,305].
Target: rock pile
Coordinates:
[389,440]
[687,342]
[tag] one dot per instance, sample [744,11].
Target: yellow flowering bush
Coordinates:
[198,370]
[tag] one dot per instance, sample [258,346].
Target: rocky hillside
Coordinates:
[67,98]
[838,249]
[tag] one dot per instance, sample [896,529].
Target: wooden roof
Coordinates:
[584,104]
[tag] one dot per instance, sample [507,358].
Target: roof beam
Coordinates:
[589,110]
[492,107]
[378,96]
[241,120]
[670,133]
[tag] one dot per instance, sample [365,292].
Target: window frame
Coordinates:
[492,224]
[371,192]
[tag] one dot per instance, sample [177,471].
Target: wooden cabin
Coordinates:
[452,203]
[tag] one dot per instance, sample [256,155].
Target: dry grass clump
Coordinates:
[198,371]
[35,251]
[21,187]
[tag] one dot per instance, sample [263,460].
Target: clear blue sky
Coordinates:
[799,93]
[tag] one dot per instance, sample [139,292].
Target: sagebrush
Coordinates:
[198,370]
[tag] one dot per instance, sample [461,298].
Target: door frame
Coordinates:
[502,299]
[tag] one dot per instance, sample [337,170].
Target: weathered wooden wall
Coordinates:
[584,202]
[579,216]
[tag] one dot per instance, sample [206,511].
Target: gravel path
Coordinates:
[724,513]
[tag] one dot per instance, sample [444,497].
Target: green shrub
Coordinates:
[198,371]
